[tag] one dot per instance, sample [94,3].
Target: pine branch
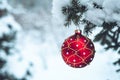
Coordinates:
[95,5]
[107,36]
[73,12]
[88,27]
[117,63]
[7,76]
[2,63]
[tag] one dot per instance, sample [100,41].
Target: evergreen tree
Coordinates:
[7,41]
[110,33]
[8,32]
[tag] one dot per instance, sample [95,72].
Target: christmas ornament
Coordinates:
[77,50]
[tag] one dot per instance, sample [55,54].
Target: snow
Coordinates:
[97,70]
[96,16]
[3,55]
[111,4]
[5,5]
[58,16]
[3,29]
[15,67]
[116,17]
[99,2]
[45,54]
[5,21]
[109,13]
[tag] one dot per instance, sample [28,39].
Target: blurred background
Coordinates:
[31,35]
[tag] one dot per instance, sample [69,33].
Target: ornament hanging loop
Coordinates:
[78,30]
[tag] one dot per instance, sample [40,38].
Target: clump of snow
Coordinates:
[116,17]
[5,5]
[57,10]
[109,13]
[99,2]
[96,16]
[111,8]
[113,5]
[15,67]
[3,29]
[9,20]
[3,55]
[5,22]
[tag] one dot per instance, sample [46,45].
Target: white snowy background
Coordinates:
[40,35]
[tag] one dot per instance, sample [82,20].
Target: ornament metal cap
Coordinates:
[78,31]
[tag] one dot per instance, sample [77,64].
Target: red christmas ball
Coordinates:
[77,50]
